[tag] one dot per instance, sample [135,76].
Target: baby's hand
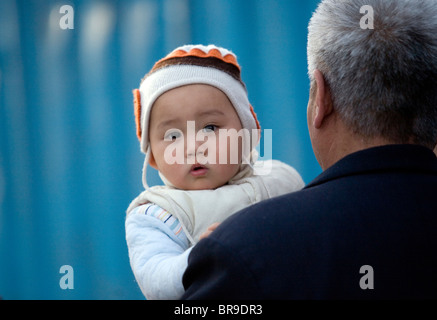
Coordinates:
[208,231]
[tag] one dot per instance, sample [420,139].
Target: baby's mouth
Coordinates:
[198,170]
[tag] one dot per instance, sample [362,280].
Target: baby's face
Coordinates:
[185,139]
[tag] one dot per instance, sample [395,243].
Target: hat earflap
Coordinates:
[137,111]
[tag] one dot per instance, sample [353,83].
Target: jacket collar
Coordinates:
[389,158]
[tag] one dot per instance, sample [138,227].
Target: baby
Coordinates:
[197,128]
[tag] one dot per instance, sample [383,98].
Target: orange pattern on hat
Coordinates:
[137,111]
[196,52]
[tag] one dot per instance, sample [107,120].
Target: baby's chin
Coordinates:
[200,185]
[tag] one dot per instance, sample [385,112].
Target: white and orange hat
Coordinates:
[192,64]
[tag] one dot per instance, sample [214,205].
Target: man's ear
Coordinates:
[323,100]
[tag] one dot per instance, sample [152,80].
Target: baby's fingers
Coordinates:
[208,231]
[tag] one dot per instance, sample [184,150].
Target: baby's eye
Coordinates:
[172,135]
[210,128]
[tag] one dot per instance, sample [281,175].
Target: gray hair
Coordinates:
[383,80]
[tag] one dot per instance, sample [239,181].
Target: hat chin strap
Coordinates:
[146,162]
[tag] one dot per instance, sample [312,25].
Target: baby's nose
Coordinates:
[193,148]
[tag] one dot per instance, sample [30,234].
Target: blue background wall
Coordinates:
[69,159]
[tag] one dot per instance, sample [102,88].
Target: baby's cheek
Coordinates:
[227,172]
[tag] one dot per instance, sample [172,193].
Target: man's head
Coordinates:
[372,86]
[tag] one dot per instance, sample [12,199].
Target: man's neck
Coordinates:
[341,145]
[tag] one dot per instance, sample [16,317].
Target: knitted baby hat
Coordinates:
[192,64]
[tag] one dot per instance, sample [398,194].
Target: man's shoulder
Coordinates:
[297,201]
[271,215]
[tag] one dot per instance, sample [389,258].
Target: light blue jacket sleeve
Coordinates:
[158,257]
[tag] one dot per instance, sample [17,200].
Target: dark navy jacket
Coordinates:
[368,221]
